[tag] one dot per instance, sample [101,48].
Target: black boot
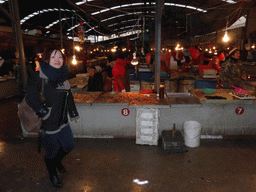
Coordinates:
[61,168]
[60,155]
[51,167]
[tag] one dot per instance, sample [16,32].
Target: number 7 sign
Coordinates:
[239,110]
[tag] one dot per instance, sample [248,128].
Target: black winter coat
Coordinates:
[61,102]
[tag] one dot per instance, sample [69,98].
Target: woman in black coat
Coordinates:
[58,102]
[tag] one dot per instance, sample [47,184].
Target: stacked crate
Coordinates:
[135,86]
[147,123]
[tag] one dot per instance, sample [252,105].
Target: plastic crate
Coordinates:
[201,84]
[173,143]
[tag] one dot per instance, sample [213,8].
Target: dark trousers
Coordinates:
[57,147]
[53,142]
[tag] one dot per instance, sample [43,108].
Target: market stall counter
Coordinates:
[220,113]
[114,114]
[109,115]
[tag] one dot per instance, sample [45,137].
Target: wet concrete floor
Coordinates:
[113,165]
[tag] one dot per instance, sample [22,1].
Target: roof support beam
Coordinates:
[7,14]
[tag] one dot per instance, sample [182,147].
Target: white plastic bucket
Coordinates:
[192,133]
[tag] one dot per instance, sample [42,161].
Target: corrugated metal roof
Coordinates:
[108,17]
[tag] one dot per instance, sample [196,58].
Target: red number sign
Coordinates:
[239,110]
[125,111]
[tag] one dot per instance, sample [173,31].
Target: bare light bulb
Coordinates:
[74,62]
[226,38]
[134,60]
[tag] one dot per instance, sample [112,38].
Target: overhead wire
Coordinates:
[239,8]
[93,28]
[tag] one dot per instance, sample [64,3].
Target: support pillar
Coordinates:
[158,18]
[14,9]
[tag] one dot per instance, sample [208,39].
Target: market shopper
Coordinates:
[178,57]
[58,101]
[18,73]
[231,71]
[1,61]
[85,58]
[187,55]
[121,74]
[107,81]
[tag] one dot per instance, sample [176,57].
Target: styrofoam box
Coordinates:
[147,139]
[147,114]
[147,122]
[135,90]
[148,131]
[135,86]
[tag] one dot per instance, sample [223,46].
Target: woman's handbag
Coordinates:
[28,118]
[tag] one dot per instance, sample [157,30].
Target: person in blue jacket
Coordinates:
[58,102]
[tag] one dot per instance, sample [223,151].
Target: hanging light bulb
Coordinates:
[177,47]
[226,38]
[134,59]
[74,62]
[113,50]
[77,48]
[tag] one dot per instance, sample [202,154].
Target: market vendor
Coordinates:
[231,71]
[194,52]
[8,67]
[201,58]
[95,82]
[215,63]
[165,60]
[120,73]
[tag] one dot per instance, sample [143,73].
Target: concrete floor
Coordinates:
[111,165]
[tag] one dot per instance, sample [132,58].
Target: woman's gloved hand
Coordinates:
[44,112]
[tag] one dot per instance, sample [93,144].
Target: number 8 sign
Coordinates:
[125,111]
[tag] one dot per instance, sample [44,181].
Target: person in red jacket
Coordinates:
[194,54]
[215,63]
[121,74]
[200,59]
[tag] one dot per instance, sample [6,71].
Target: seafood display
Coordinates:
[129,97]
[86,97]
[133,99]
[242,95]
